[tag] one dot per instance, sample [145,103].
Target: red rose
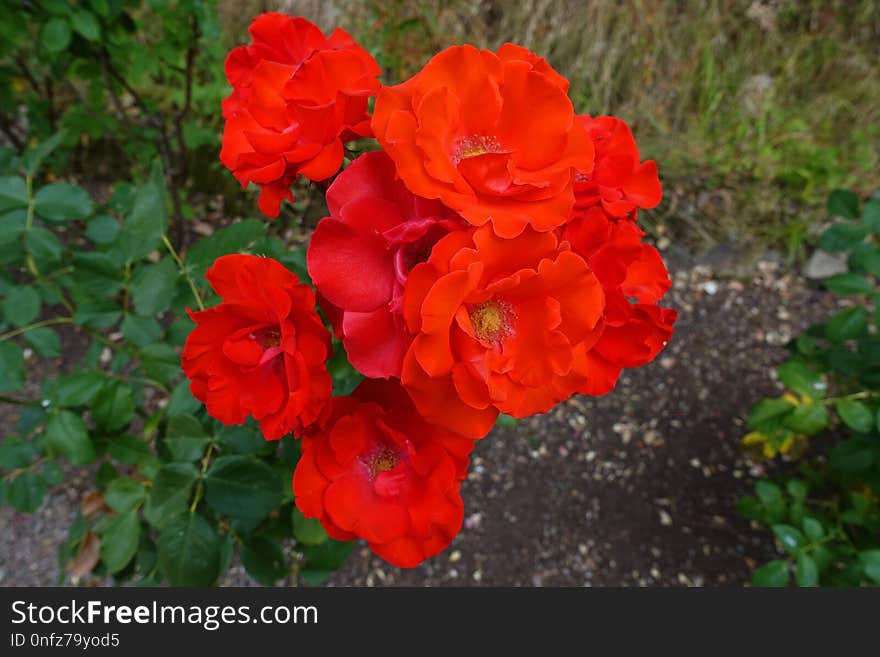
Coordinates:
[373,468]
[360,256]
[633,333]
[499,325]
[493,136]
[618,180]
[297,96]
[261,352]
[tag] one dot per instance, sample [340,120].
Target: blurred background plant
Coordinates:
[824,510]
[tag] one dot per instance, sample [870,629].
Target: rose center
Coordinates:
[381,461]
[491,321]
[474,146]
[268,338]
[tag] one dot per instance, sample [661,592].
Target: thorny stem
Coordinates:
[184,271]
[205,461]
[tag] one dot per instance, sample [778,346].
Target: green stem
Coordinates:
[18,402]
[45,322]
[200,486]
[29,181]
[856,395]
[14,473]
[184,271]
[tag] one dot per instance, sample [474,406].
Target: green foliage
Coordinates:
[827,519]
[89,268]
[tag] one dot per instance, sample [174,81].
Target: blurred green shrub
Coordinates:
[95,280]
[827,518]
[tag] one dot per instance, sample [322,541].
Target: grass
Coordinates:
[754,111]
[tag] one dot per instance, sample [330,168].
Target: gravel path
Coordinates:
[634,488]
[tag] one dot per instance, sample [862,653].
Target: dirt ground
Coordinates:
[634,488]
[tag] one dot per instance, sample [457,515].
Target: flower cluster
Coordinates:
[486,260]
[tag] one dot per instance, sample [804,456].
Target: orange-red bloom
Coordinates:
[492,135]
[373,468]
[634,332]
[618,180]
[499,325]
[360,257]
[297,96]
[261,352]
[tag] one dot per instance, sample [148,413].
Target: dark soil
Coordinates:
[634,488]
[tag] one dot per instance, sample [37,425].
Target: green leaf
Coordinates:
[12,227]
[791,537]
[321,560]
[843,203]
[35,156]
[129,449]
[307,531]
[13,193]
[78,389]
[186,438]
[189,551]
[86,24]
[103,229]
[808,419]
[124,494]
[849,284]
[231,239]
[768,410]
[182,402]
[21,305]
[870,560]
[871,215]
[16,453]
[11,367]
[63,202]
[120,540]
[855,415]
[153,287]
[806,572]
[773,573]
[99,314]
[67,434]
[842,237]
[865,257]
[795,374]
[140,330]
[847,324]
[114,406]
[241,439]
[263,560]
[55,35]
[813,529]
[797,489]
[852,456]
[505,421]
[96,274]
[170,492]
[27,491]
[53,473]
[43,245]
[143,228]
[242,487]
[768,492]
[161,362]
[44,341]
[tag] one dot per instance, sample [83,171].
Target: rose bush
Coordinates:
[484,260]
